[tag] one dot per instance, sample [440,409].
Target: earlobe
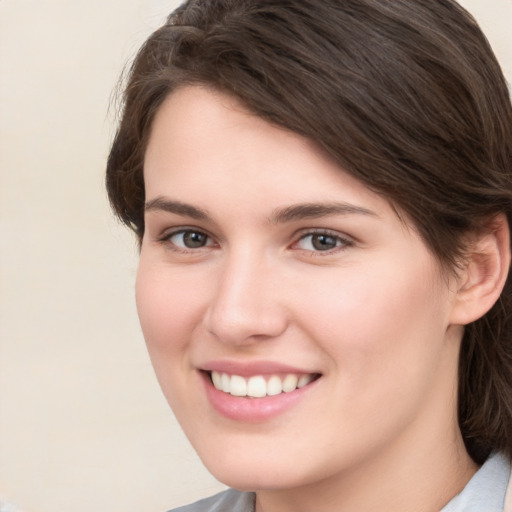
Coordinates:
[484,274]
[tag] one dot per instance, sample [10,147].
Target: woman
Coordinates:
[322,195]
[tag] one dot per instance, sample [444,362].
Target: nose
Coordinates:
[246,306]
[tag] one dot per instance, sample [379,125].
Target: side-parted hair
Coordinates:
[406,95]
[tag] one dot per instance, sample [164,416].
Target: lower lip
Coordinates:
[252,410]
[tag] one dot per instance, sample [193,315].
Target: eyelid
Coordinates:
[167,234]
[346,241]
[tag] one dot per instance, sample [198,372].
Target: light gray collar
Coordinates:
[486,490]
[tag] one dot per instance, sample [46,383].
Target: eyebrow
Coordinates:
[278,216]
[316,210]
[177,207]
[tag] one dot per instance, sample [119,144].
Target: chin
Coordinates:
[260,473]
[250,479]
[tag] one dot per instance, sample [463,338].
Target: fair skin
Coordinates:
[263,261]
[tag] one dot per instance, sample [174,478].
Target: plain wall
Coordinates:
[83,424]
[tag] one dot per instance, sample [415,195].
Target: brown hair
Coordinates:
[406,95]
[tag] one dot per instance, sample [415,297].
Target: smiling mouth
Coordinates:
[259,386]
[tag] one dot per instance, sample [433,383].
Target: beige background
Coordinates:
[83,425]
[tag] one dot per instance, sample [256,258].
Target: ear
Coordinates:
[485,272]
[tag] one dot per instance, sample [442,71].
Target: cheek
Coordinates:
[385,346]
[169,306]
[385,316]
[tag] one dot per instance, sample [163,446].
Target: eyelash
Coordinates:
[342,243]
[167,240]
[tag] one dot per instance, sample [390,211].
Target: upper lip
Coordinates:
[250,368]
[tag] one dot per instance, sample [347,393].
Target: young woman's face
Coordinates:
[298,327]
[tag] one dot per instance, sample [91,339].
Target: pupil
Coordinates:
[323,242]
[192,240]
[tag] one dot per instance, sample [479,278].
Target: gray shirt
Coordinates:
[5,506]
[227,501]
[485,492]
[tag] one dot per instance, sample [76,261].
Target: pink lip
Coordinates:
[252,368]
[252,410]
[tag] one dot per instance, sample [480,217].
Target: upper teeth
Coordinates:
[258,386]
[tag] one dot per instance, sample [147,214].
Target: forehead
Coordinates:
[201,138]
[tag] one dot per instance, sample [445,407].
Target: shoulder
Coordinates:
[508,496]
[7,507]
[487,490]
[234,501]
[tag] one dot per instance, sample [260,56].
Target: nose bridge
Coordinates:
[246,304]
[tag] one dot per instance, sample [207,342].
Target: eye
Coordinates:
[321,242]
[189,239]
